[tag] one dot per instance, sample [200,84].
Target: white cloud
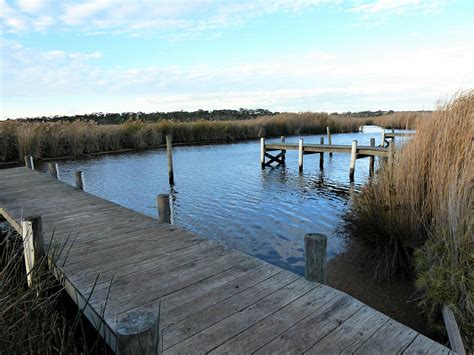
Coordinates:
[395,7]
[32,6]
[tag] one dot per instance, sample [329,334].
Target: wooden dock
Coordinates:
[136,278]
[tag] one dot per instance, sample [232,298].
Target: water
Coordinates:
[221,193]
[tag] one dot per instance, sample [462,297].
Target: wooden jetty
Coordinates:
[150,287]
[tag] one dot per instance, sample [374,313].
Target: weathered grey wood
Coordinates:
[138,333]
[164,210]
[283,151]
[383,138]
[391,153]
[33,246]
[315,268]
[318,148]
[329,138]
[169,154]
[353,160]
[53,170]
[79,182]
[452,329]
[29,162]
[321,155]
[372,159]
[300,155]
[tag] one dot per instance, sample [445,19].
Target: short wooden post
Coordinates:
[353,160]
[53,170]
[79,182]
[452,329]
[283,152]
[300,155]
[383,138]
[372,159]
[33,246]
[138,333]
[391,153]
[315,268]
[329,138]
[29,162]
[169,153]
[164,210]
[262,152]
[321,155]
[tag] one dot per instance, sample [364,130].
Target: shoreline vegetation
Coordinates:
[415,217]
[57,138]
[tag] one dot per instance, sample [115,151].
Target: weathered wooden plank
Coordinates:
[423,345]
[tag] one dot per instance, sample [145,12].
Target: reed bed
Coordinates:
[416,215]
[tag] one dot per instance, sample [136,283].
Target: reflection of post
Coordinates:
[321,155]
[283,152]
[329,139]
[353,160]
[300,155]
[315,269]
[164,211]
[262,152]
[169,153]
[371,158]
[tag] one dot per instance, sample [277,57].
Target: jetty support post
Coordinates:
[33,245]
[138,333]
[53,170]
[372,159]
[300,155]
[169,153]
[29,162]
[315,266]
[283,152]
[164,210]
[353,160]
[452,329]
[262,152]
[329,139]
[391,153]
[383,138]
[79,182]
[321,155]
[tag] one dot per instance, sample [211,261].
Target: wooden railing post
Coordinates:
[353,160]
[300,155]
[329,138]
[79,182]
[53,170]
[372,159]
[262,153]
[283,152]
[315,269]
[169,154]
[33,246]
[452,329]
[138,333]
[164,210]
[321,155]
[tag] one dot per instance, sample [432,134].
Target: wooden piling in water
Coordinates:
[372,159]
[79,182]
[329,138]
[300,155]
[315,269]
[53,170]
[321,155]
[33,246]
[262,152]
[353,160]
[169,154]
[29,162]
[164,210]
[383,138]
[283,152]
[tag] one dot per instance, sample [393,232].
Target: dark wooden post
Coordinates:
[283,152]
[353,160]
[372,159]
[262,152]
[53,170]
[321,155]
[300,155]
[33,246]
[79,182]
[329,138]
[315,269]
[169,153]
[164,210]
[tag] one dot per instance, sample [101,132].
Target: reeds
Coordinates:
[416,215]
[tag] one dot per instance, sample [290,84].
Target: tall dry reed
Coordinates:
[416,216]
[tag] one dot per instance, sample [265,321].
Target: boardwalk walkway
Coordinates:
[213,300]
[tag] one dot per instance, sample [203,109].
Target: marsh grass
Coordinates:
[416,216]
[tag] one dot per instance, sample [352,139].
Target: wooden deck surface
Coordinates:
[213,299]
[326,148]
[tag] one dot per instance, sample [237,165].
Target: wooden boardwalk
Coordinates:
[209,299]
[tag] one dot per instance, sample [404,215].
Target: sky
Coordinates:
[73,57]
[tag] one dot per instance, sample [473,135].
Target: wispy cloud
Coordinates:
[395,7]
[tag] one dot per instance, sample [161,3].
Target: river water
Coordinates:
[221,193]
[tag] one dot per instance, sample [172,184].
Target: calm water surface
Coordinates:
[221,193]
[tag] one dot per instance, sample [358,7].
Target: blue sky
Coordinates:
[70,57]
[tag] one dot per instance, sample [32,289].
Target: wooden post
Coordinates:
[164,210]
[262,152]
[169,153]
[29,162]
[53,170]
[33,247]
[329,138]
[391,153]
[321,155]
[383,138]
[315,268]
[372,159]
[300,155]
[138,333]
[353,160]
[283,152]
[79,182]
[452,328]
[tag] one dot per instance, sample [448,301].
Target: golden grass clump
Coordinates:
[416,216]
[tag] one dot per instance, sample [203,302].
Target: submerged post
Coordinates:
[53,170]
[33,247]
[138,333]
[452,329]
[315,268]
[283,152]
[321,155]
[164,210]
[371,158]
[300,155]
[169,153]
[329,138]
[262,152]
[353,160]
[79,183]
[29,162]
